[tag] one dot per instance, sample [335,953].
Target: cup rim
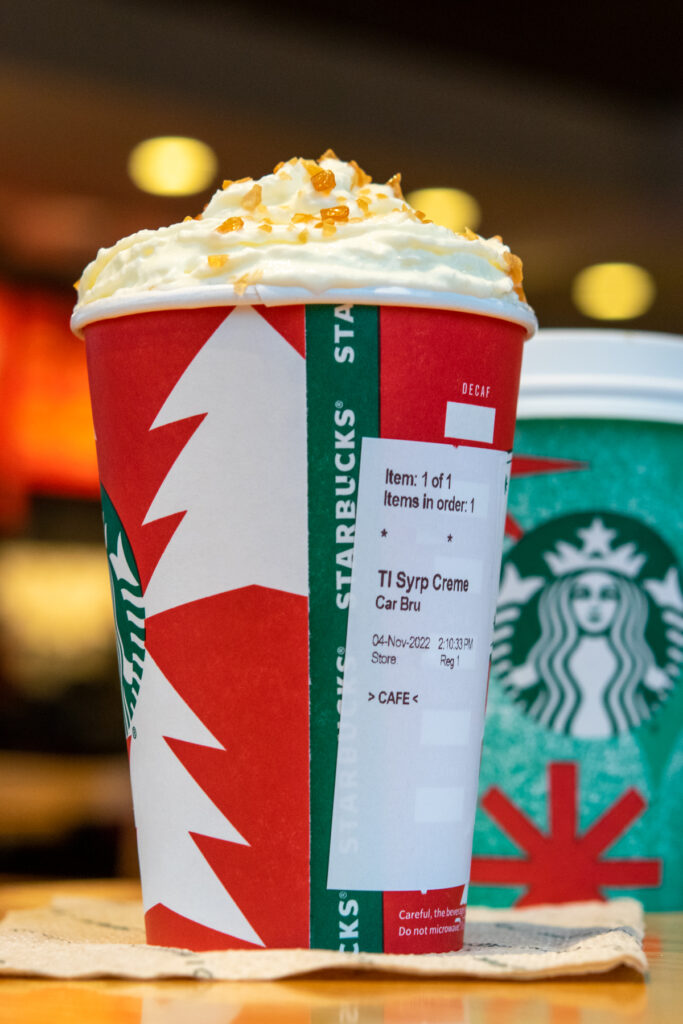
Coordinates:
[265,295]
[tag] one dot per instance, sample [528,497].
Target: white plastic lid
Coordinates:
[596,373]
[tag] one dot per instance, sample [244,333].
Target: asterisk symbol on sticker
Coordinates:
[384,533]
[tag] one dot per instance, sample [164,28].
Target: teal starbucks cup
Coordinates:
[581,784]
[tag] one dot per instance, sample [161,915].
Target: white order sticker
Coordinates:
[426,563]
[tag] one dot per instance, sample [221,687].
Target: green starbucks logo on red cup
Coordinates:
[589,624]
[129,610]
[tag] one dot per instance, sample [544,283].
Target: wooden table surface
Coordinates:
[598,999]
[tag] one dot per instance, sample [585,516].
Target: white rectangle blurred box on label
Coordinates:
[470,422]
[445,728]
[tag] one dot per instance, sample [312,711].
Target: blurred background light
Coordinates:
[613,291]
[55,613]
[172,165]
[450,207]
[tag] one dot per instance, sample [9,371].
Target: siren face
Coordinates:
[593,600]
[589,635]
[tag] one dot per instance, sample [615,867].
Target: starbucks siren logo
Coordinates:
[589,624]
[129,612]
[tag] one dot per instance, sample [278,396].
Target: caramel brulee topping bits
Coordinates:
[231,224]
[395,184]
[360,177]
[514,268]
[335,213]
[252,198]
[216,262]
[311,166]
[243,282]
[323,181]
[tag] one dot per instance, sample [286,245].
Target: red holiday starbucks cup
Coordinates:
[304,508]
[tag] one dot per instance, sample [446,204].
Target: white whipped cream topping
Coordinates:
[317,225]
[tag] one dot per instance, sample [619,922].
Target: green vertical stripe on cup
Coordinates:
[342,366]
